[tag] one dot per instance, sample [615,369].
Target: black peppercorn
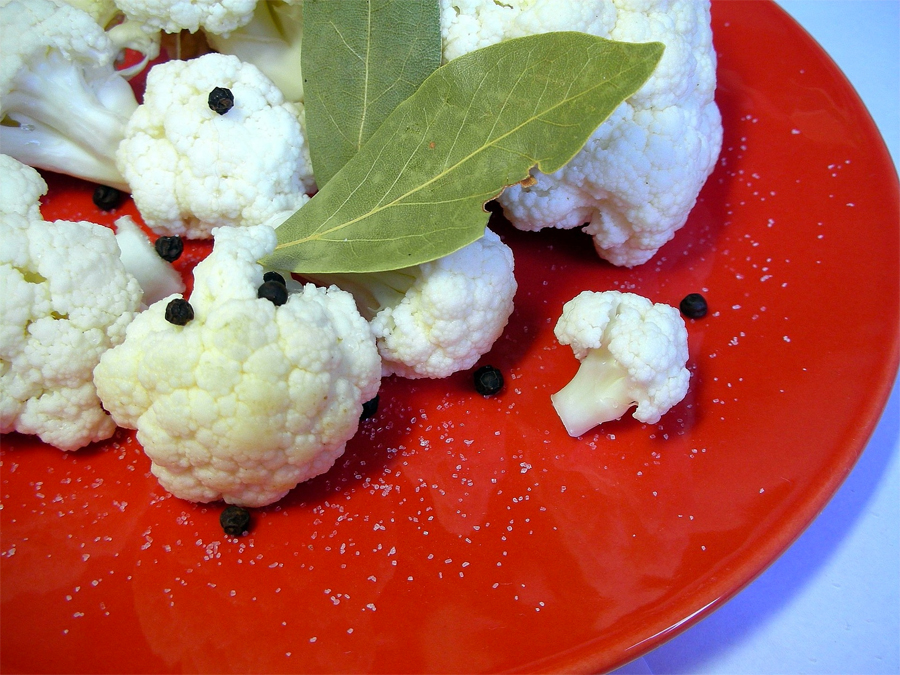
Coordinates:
[235,520]
[106,198]
[169,248]
[274,276]
[273,291]
[179,312]
[369,408]
[693,306]
[488,380]
[220,100]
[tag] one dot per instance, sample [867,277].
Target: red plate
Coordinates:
[463,534]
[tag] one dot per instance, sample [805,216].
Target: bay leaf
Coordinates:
[416,190]
[360,59]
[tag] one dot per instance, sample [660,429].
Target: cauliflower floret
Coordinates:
[638,176]
[440,317]
[467,25]
[63,106]
[631,352]
[123,32]
[172,16]
[247,399]
[21,189]
[65,298]
[192,169]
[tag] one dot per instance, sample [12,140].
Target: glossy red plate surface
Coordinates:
[463,534]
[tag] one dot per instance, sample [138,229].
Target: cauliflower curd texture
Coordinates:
[65,298]
[191,169]
[637,178]
[248,399]
[631,352]
[172,16]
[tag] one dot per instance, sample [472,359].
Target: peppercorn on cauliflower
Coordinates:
[191,169]
[247,399]
[637,178]
[65,298]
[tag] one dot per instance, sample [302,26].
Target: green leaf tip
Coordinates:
[415,191]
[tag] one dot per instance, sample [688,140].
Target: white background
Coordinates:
[830,603]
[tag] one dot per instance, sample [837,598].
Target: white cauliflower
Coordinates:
[440,317]
[21,189]
[173,16]
[63,106]
[192,169]
[123,32]
[65,298]
[467,25]
[636,179]
[632,352]
[247,399]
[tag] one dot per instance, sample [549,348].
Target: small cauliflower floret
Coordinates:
[65,298]
[247,399]
[63,106]
[637,178]
[158,279]
[632,352]
[192,169]
[21,189]
[123,32]
[440,317]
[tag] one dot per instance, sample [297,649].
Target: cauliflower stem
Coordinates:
[598,393]
[44,102]
[372,291]
[632,352]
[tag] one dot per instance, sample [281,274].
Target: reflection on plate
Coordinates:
[464,534]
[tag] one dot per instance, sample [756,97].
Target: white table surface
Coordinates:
[830,603]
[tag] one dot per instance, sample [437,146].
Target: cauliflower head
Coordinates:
[63,106]
[632,352]
[247,399]
[65,298]
[21,189]
[637,178]
[191,169]
[440,317]
[454,311]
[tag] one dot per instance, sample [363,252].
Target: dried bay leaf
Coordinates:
[360,60]
[415,191]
